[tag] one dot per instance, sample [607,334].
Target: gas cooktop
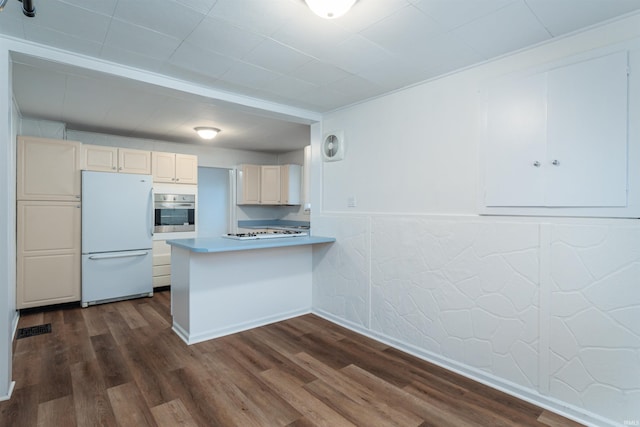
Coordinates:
[264,234]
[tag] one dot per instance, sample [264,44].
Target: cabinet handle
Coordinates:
[77,196]
[555,162]
[536,164]
[119,168]
[177,179]
[113,167]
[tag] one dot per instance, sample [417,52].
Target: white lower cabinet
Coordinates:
[48,253]
[161,263]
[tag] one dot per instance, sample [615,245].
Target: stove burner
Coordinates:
[264,234]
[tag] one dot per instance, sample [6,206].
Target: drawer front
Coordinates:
[161,270]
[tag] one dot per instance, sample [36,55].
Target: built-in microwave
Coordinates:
[174,213]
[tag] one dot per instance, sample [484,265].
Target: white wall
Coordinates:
[213,201]
[207,156]
[544,308]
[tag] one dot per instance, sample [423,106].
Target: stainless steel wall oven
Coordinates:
[174,213]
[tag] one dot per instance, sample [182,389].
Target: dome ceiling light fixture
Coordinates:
[207,132]
[330,9]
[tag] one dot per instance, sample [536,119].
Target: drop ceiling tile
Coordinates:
[194,58]
[259,16]
[141,40]
[73,21]
[311,35]
[132,59]
[201,6]
[104,7]
[508,29]
[221,37]
[454,13]
[327,99]
[288,87]
[356,54]
[403,30]
[561,17]
[366,13]
[61,40]
[248,75]
[444,53]
[11,21]
[277,57]
[358,87]
[394,74]
[171,18]
[319,73]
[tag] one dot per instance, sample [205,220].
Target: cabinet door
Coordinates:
[48,253]
[586,162]
[164,167]
[516,142]
[100,159]
[186,169]
[48,169]
[250,177]
[290,184]
[161,263]
[134,161]
[270,185]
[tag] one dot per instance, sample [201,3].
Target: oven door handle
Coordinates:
[175,205]
[151,212]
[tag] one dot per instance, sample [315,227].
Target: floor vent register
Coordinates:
[32,331]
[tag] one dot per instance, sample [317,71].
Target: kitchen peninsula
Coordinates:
[222,286]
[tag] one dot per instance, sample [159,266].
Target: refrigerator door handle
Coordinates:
[119,255]
[151,215]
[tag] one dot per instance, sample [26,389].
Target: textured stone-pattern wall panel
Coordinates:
[595,319]
[341,270]
[465,290]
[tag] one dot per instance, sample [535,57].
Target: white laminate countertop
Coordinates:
[220,244]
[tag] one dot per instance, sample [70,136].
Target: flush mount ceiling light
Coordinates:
[330,9]
[207,132]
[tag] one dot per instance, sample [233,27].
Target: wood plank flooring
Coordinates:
[120,364]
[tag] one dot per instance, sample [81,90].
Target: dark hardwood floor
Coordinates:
[120,364]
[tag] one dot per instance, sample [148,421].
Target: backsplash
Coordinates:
[543,310]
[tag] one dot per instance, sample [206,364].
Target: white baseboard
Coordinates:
[15,325]
[516,390]
[217,333]
[9,392]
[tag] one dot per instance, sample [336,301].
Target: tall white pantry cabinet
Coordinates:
[48,220]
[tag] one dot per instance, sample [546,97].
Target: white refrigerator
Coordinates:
[117,234]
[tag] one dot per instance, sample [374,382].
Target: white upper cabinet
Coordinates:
[559,138]
[248,185]
[175,168]
[48,169]
[290,184]
[587,133]
[112,159]
[270,185]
